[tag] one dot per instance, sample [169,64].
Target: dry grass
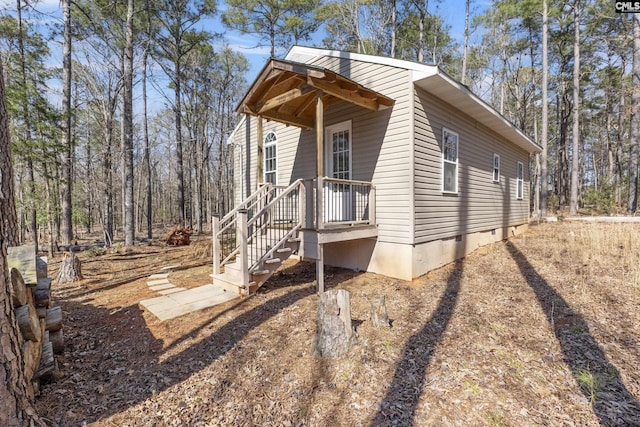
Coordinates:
[540,331]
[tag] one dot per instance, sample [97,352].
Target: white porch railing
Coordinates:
[256,228]
[342,203]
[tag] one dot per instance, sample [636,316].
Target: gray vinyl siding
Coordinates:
[480,203]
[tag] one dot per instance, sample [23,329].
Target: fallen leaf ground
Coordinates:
[542,330]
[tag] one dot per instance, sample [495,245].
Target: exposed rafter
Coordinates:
[285,91]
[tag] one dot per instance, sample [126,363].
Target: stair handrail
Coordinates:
[260,195]
[268,206]
[296,185]
[250,201]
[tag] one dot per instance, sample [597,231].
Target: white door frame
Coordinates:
[338,197]
[328,146]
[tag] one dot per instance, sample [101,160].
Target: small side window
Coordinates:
[449,161]
[520,181]
[271,158]
[496,168]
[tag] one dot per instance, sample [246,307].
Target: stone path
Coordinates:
[176,301]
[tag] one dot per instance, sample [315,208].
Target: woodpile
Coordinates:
[39,323]
[179,236]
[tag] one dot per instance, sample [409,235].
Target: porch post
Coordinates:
[372,205]
[320,269]
[260,155]
[215,221]
[319,190]
[319,160]
[242,236]
[319,134]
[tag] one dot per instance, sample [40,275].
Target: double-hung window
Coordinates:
[520,181]
[271,158]
[449,161]
[496,168]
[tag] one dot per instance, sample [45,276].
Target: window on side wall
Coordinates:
[496,168]
[520,181]
[271,159]
[449,161]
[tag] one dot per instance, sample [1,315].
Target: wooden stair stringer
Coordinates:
[230,280]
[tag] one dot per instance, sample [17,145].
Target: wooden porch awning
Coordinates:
[285,91]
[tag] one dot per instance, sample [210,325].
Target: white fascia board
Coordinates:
[298,52]
[235,129]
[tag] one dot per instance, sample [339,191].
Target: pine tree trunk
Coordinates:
[67,142]
[127,134]
[17,409]
[544,122]
[575,158]
[634,134]
[147,158]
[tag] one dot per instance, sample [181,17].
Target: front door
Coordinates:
[337,207]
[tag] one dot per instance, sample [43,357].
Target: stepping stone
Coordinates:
[157,282]
[176,304]
[159,276]
[173,290]
[162,287]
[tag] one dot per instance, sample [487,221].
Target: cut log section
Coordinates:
[47,361]
[42,267]
[54,319]
[42,297]
[44,283]
[29,322]
[334,331]
[57,341]
[18,288]
[31,353]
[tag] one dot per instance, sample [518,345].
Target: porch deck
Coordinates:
[274,222]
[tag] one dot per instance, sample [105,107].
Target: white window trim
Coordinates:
[264,160]
[456,163]
[519,181]
[493,168]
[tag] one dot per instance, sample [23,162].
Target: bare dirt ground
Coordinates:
[542,330]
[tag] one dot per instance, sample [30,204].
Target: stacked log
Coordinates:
[179,236]
[40,323]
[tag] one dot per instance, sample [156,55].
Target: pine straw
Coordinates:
[541,331]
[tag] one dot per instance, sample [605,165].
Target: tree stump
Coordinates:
[70,268]
[379,316]
[334,334]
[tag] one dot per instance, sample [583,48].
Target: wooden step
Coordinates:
[283,250]
[260,272]
[272,261]
[229,285]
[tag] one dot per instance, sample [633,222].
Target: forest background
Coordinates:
[120,109]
